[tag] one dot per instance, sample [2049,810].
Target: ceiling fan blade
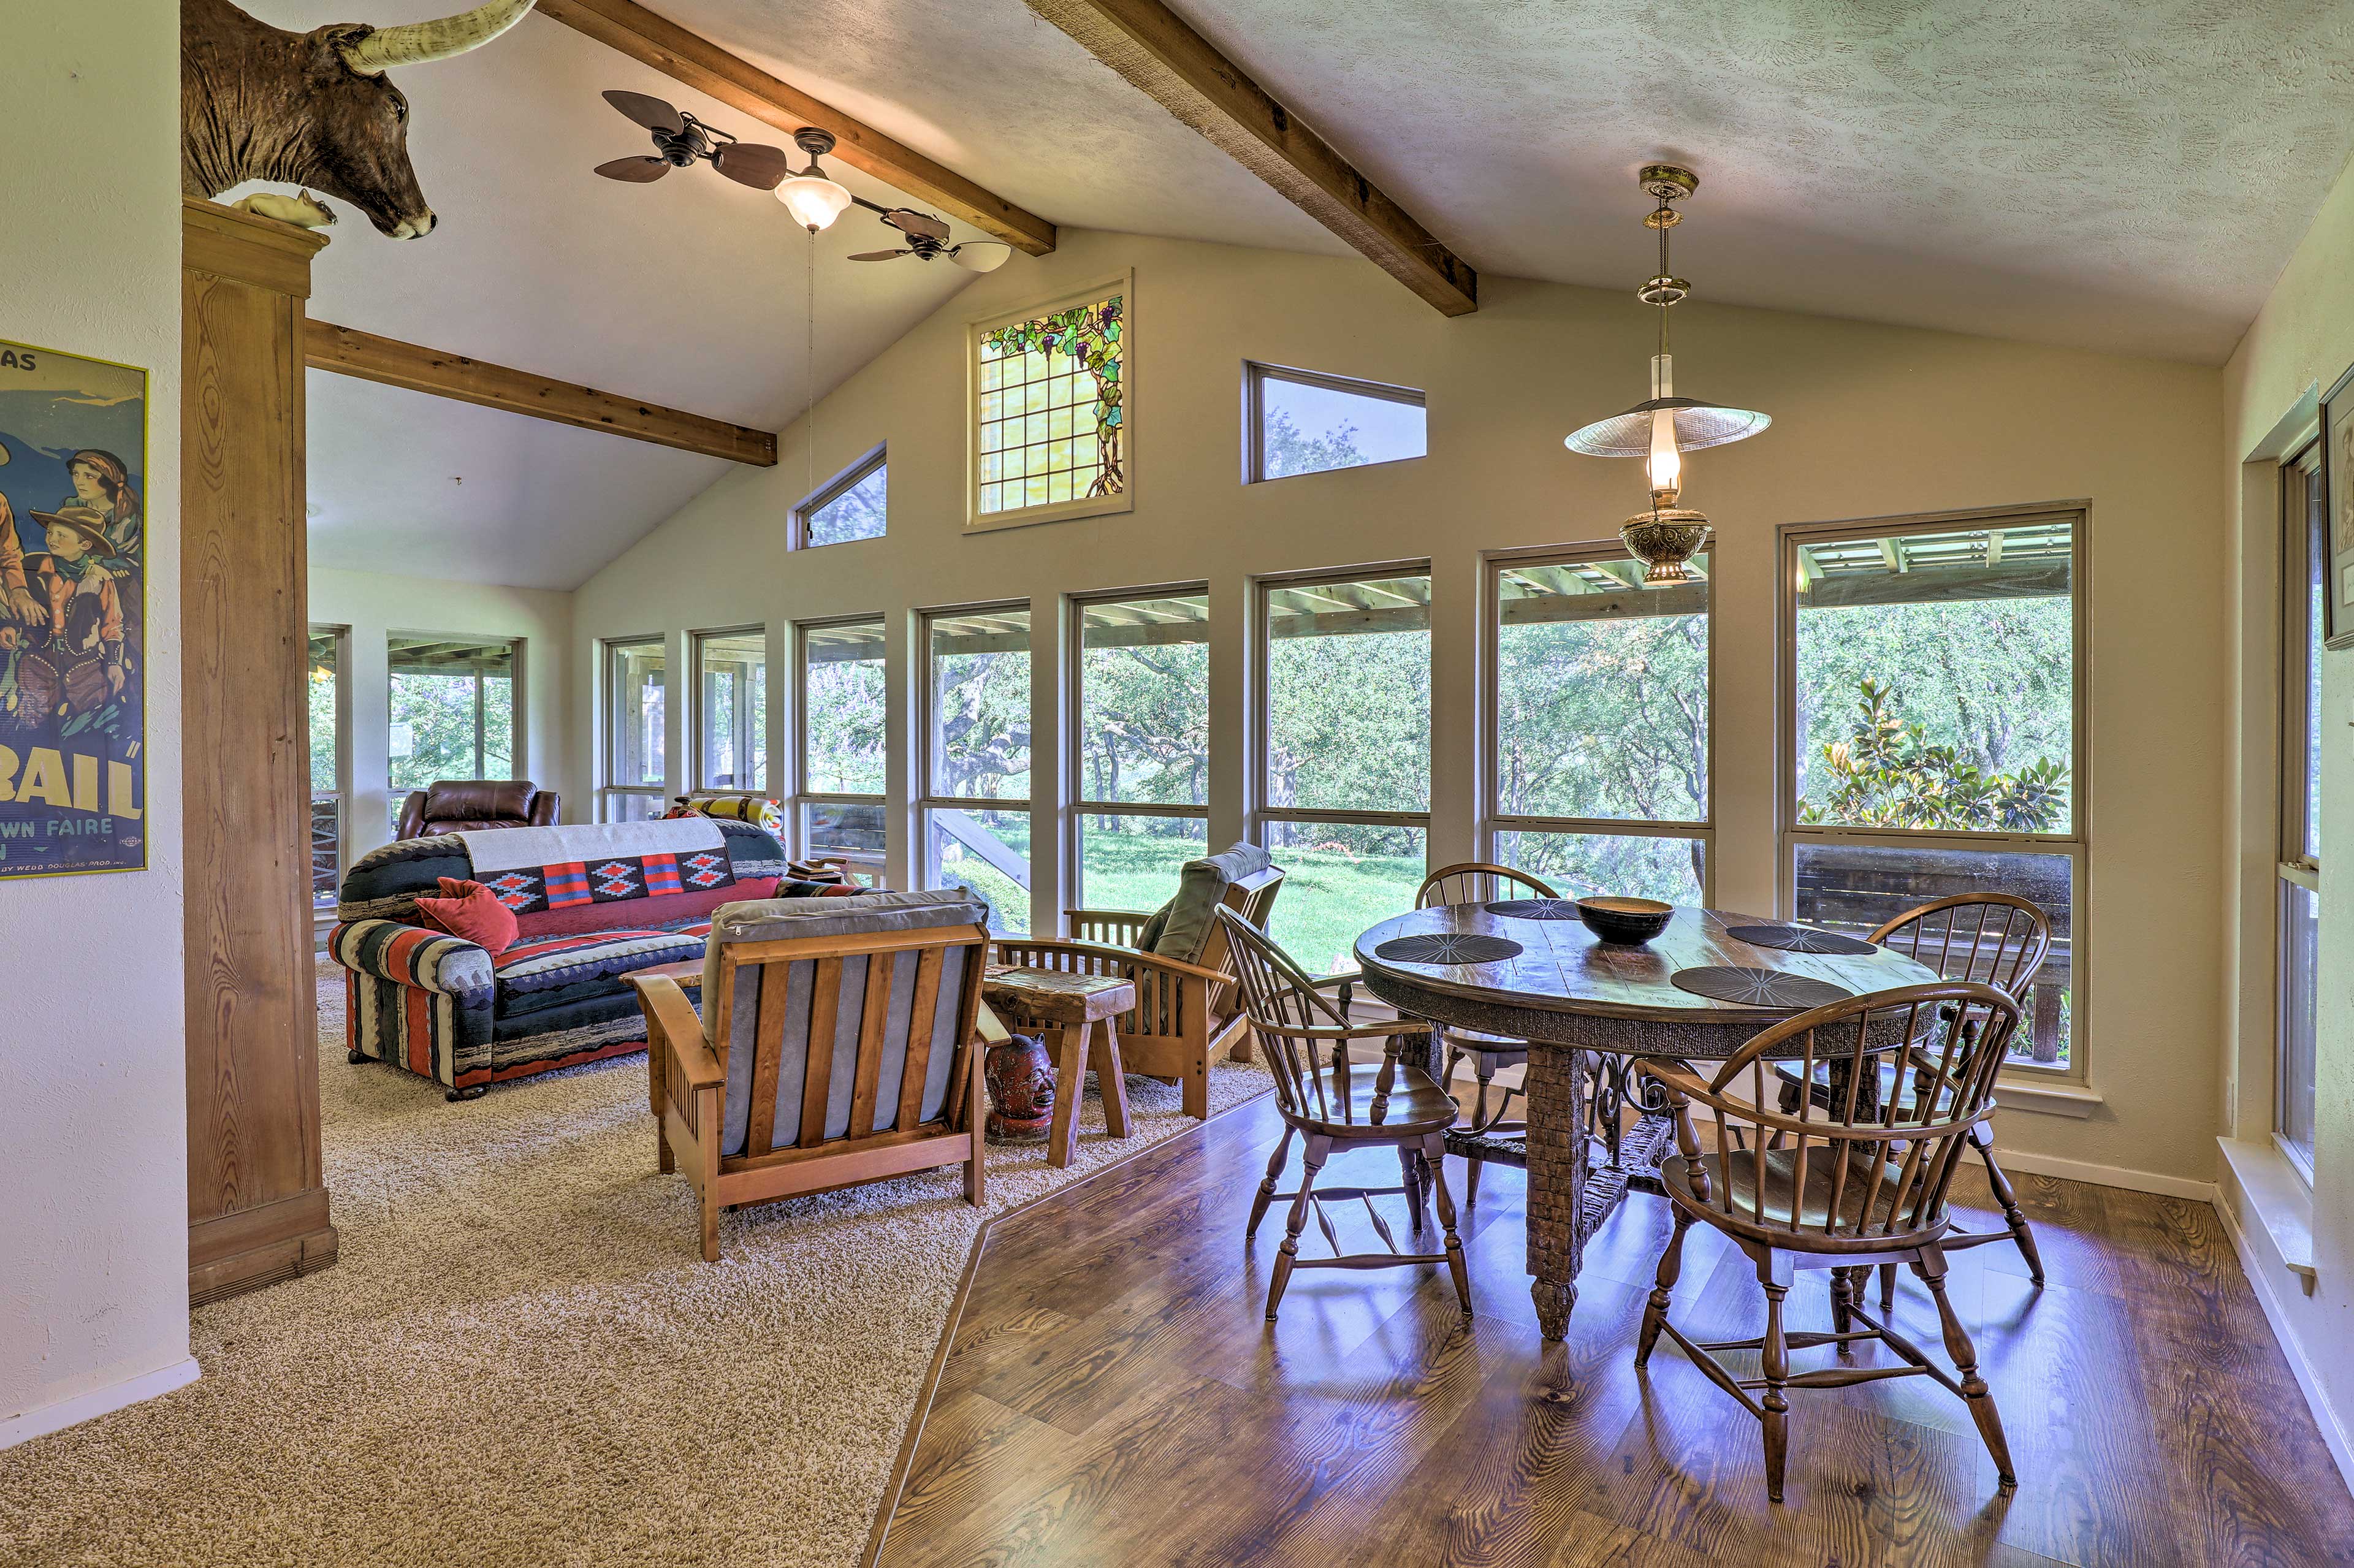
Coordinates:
[634,171]
[908,220]
[980,255]
[649,111]
[879,255]
[748,163]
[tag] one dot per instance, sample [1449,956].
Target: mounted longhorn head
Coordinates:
[258,102]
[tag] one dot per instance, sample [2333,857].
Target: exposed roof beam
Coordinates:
[704,66]
[1153,48]
[348,352]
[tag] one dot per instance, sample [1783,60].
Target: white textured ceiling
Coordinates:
[2122,175]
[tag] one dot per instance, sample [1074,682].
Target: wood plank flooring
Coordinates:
[1113,1395]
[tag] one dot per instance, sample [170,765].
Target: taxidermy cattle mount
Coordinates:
[314,109]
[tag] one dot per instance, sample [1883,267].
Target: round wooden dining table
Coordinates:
[1566,992]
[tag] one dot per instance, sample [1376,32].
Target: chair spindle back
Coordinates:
[1993,939]
[1293,1022]
[1477,881]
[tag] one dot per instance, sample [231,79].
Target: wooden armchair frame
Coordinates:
[688,1079]
[1185,1014]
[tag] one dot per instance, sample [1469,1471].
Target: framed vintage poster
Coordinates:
[2337,492]
[73,613]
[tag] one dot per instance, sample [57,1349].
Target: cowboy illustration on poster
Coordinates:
[73,458]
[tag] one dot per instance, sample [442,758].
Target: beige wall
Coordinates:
[374,606]
[1870,422]
[94,1229]
[2301,343]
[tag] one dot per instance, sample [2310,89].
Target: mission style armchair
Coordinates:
[835,1047]
[1188,1009]
[470,805]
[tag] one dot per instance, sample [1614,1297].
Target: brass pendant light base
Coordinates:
[1666,183]
[1664,540]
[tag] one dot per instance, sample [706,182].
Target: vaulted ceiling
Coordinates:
[2123,175]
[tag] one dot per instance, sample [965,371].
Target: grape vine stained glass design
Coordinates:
[1053,411]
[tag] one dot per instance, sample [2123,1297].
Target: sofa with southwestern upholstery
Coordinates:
[592,903]
[463,805]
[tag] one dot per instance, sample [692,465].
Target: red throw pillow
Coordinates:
[469,910]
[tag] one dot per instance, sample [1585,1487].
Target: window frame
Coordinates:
[802,796]
[1256,374]
[758,740]
[2293,868]
[609,661]
[2074,843]
[925,800]
[833,490]
[516,762]
[1075,712]
[1262,747]
[975,519]
[1494,821]
[341,635]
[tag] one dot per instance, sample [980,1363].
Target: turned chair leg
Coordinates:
[1672,1268]
[1410,1171]
[1931,1267]
[1434,1155]
[1483,1068]
[1843,1295]
[1312,1161]
[1266,1187]
[1773,1365]
[1887,1288]
[1472,1166]
[1982,1139]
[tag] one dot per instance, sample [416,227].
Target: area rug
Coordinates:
[521,1359]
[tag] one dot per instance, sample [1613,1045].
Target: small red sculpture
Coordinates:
[1021,1081]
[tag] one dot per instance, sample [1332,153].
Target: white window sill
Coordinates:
[2054,1098]
[2279,1197]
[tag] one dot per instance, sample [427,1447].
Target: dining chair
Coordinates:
[1334,1102]
[1836,1187]
[1994,939]
[1477,881]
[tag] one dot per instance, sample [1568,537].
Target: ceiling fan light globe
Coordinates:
[980,255]
[813,200]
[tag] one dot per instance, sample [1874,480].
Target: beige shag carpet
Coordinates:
[520,1359]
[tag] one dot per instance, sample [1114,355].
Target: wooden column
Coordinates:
[257,1197]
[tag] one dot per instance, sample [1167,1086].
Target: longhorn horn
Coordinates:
[421,43]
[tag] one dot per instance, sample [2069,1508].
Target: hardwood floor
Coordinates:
[1113,1395]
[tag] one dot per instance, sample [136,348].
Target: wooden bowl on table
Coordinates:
[1630,921]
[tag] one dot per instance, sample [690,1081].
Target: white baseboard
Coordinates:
[2014,1158]
[2325,1415]
[97,1401]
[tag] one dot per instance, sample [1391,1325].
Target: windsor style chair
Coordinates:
[1477,881]
[1334,1102]
[1836,1187]
[1993,939]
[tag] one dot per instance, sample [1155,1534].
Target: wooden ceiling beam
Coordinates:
[349,351]
[684,56]
[1156,51]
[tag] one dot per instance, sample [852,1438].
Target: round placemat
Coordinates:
[1447,947]
[1535,908]
[1757,988]
[1799,940]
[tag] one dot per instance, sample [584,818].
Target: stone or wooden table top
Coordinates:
[1057,996]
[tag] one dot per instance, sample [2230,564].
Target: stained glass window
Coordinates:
[1053,408]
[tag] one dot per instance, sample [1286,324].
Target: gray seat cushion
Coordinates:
[1180,927]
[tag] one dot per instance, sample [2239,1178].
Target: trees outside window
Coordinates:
[1344,785]
[1141,745]
[1600,727]
[976,808]
[1933,733]
[452,712]
[636,732]
[731,711]
[329,711]
[1302,421]
[844,733]
[853,506]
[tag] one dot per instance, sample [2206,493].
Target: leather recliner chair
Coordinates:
[468,805]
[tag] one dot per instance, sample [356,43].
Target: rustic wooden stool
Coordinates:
[1081,1008]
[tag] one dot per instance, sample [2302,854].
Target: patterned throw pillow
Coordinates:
[764,815]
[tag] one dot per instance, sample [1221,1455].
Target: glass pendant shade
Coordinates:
[813,200]
[1697,425]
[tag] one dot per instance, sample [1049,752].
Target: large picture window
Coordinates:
[1599,726]
[731,711]
[1344,753]
[452,712]
[1053,405]
[976,805]
[636,731]
[844,732]
[329,710]
[1141,745]
[1933,733]
[2305,564]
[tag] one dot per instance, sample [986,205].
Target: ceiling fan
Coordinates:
[680,139]
[928,240]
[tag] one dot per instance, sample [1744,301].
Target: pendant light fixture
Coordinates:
[1661,430]
[814,200]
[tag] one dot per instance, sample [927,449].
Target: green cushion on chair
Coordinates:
[1183,925]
